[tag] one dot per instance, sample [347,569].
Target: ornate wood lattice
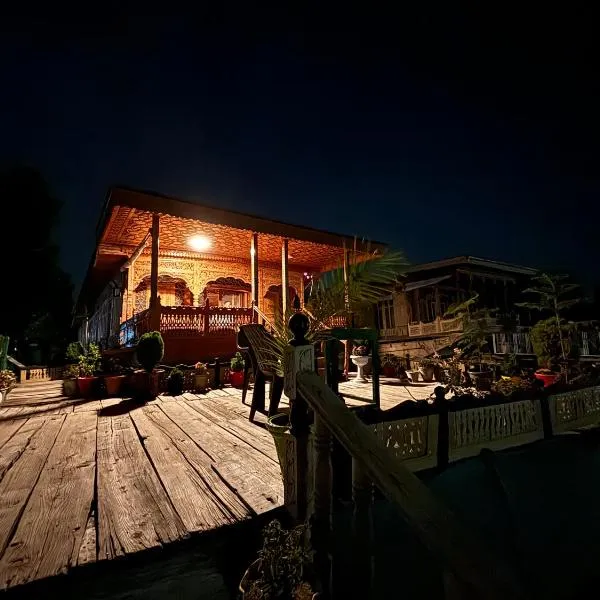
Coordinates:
[494,426]
[181,321]
[578,408]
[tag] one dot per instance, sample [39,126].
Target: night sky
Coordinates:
[443,134]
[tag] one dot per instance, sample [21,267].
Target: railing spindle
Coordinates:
[362,496]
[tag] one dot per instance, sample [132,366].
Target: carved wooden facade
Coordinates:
[148,274]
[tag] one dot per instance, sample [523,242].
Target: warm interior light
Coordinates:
[199,243]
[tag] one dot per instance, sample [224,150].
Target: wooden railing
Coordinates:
[394,332]
[181,321]
[134,327]
[435,327]
[258,316]
[310,469]
[512,342]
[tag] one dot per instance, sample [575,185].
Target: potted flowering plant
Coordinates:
[7,381]
[282,567]
[88,365]
[236,377]
[427,367]
[200,376]
[360,357]
[389,365]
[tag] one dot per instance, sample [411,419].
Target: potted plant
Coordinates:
[175,382]
[281,570]
[427,368]
[236,368]
[70,375]
[149,351]
[88,365]
[481,375]
[74,351]
[201,376]
[114,377]
[7,381]
[360,357]
[389,365]
[549,341]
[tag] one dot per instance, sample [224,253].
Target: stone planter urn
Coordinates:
[361,362]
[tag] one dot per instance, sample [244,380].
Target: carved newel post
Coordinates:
[299,356]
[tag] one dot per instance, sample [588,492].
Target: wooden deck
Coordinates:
[85,482]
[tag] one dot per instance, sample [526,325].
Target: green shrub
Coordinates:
[175,382]
[74,351]
[237,363]
[150,350]
[90,361]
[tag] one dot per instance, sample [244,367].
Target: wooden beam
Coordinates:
[254,267]
[154,261]
[285,282]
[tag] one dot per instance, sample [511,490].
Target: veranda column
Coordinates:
[347,308]
[154,305]
[254,268]
[285,300]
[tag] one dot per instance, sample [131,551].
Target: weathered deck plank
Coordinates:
[242,428]
[255,478]
[23,458]
[51,529]
[134,512]
[202,500]
[8,428]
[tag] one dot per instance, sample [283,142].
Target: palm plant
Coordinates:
[554,296]
[336,295]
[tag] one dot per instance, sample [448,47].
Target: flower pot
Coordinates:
[236,379]
[279,427]
[427,373]
[175,386]
[201,381]
[70,387]
[86,386]
[389,371]
[547,378]
[3,393]
[113,384]
[361,362]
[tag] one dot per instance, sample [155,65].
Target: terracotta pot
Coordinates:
[85,385]
[113,384]
[389,371]
[201,381]
[70,387]
[236,379]
[547,379]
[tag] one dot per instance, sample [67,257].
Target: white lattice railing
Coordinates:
[516,342]
[572,410]
[493,426]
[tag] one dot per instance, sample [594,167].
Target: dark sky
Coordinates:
[442,134]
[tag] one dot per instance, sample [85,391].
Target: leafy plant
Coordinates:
[550,341]
[283,562]
[509,385]
[113,366]
[74,351]
[90,361]
[150,350]
[389,360]
[554,295]
[71,371]
[7,379]
[333,296]
[361,350]
[237,363]
[474,340]
[175,382]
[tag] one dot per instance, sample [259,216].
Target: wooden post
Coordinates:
[299,356]
[375,369]
[347,308]
[154,307]
[254,268]
[417,306]
[438,304]
[362,495]
[285,300]
[206,316]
